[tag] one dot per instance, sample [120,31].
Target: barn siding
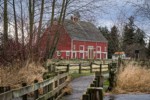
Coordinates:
[89,43]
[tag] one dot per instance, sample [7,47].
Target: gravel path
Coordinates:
[79,86]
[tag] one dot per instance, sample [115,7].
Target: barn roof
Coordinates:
[84,31]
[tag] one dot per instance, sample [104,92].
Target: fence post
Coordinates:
[50,68]
[100,69]
[91,67]
[24,97]
[85,97]
[97,75]
[111,78]
[36,93]
[101,94]
[80,68]
[54,67]
[68,68]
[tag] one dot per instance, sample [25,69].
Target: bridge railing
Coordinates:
[51,89]
[95,91]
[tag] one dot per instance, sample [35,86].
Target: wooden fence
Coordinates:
[51,89]
[79,67]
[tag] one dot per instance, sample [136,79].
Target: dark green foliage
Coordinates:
[128,35]
[139,37]
[105,32]
[113,39]
[133,39]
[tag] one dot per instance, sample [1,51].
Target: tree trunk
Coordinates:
[48,38]
[15,19]
[57,33]
[22,31]
[5,25]
[40,25]
[31,23]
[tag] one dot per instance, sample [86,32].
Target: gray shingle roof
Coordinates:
[84,31]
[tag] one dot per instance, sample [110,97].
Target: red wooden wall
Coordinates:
[65,44]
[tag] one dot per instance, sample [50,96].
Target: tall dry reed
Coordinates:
[133,78]
[15,76]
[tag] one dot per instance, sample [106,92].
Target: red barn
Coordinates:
[78,40]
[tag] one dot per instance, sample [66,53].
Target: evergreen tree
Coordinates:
[113,45]
[128,35]
[112,37]
[133,39]
[115,37]
[148,50]
[139,37]
[104,31]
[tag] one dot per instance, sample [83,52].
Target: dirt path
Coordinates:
[79,86]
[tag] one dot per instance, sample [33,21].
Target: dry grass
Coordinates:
[133,78]
[15,76]
[67,90]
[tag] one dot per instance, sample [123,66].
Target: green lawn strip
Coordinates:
[77,75]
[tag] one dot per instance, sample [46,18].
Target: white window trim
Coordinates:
[98,51]
[82,47]
[58,53]
[97,56]
[74,53]
[83,55]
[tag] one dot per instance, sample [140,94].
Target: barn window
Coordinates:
[74,54]
[58,53]
[81,47]
[82,55]
[98,48]
[98,55]
[67,53]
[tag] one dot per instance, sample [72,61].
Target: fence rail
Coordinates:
[51,87]
[91,67]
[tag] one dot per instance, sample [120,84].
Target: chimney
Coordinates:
[74,19]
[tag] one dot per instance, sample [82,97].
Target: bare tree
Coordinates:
[40,25]
[5,25]
[22,31]
[31,24]
[57,34]
[15,19]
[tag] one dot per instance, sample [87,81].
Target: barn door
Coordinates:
[90,52]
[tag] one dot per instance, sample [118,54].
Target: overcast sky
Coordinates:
[119,11]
